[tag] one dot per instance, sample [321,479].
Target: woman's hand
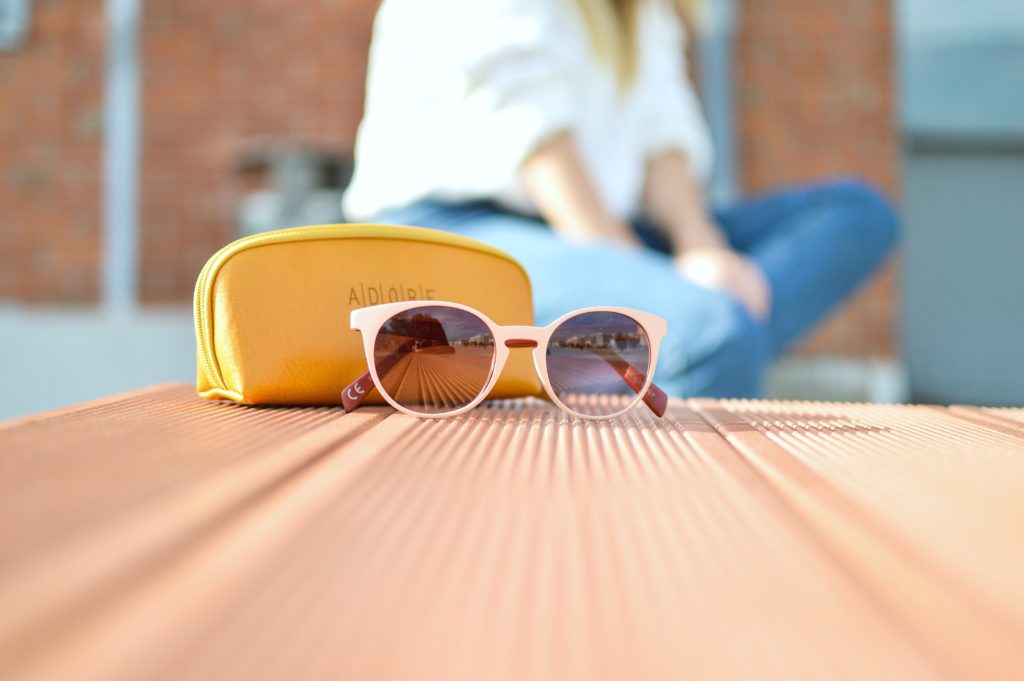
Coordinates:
[723,269]
[674,201]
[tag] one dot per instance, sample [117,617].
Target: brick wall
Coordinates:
[50,119]
[816,97]
[217,76]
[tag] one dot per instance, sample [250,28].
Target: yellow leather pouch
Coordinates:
[272,310]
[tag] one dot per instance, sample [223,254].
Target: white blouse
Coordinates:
[460,92]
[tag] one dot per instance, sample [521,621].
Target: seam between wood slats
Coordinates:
[79,407]
[986,419]
[819,506]
[218,549]
[777,498]
[75,575]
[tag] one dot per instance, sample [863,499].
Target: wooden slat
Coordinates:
[89,495]
[1004,420]
[1012,414]
[887,489]
[66,472]
[729,540]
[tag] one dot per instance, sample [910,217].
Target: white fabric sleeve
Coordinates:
[674,119]
[518,71]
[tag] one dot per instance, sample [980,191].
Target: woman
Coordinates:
[566,133]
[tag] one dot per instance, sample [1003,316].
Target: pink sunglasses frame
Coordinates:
[368,320]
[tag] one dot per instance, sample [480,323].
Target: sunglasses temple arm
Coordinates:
[655,398]
[356,391]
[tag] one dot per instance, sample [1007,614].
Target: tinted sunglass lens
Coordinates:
[598,361]
[434,359]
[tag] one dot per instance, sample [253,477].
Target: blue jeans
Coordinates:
[815,243]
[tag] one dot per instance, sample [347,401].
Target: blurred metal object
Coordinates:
[302,184]
[15,19]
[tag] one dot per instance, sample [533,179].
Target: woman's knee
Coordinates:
[875,222]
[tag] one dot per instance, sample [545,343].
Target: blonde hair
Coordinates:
[612,28]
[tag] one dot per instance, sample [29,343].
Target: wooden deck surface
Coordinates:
[157,536]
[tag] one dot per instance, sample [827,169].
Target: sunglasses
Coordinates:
[432,358]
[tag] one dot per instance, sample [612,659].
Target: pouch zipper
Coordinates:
[209,272]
